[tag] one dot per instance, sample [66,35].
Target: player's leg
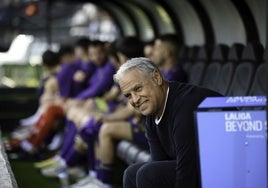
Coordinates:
[109,133]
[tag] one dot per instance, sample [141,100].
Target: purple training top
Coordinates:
[176,73]
[100,82]
[65,79]
[88,68]
[67,85]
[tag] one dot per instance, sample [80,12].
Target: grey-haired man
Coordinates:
[168,107]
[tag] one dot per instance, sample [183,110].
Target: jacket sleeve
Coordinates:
[103,82]
[65,80]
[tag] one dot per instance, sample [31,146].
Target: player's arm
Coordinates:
[120,114]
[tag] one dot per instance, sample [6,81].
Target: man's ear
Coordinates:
[157,77]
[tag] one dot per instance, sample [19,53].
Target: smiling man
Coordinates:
[169,110]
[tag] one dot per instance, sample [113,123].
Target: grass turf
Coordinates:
[29,177]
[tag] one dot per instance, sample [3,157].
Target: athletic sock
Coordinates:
[91,156]
[105,173]
[73,158]
[68,139]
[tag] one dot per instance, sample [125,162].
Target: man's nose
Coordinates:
[135,98]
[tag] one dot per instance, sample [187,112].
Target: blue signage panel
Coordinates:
[232,148]
[221,102]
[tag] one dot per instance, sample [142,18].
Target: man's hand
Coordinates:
[79,76]
[98,117]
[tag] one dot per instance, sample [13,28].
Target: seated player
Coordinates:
[149,49]
[99,82]
[48,102]
[123,123]
[165,56]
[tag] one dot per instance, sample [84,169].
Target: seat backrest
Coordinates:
[204,53]
[183,54]
[235,52]
[220,53]
[196,70]
[225,77]
[242,79]
[253,52]
[190,58]
[211,75]
[258,86]
[227,70]
[252,55]
[212,71]
[186,67]
[192,53]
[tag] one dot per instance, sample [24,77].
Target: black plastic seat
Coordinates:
[190,58]
[225,78]
[227,70]
[213,69]
[242,79]
[211,75]
[235,52]
[253,52]
[143,156]
[183,54]
[122,148]
[131,153]
[196,71]
[252,55]
[258,86]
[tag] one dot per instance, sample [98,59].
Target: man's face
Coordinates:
[79,52]
[67,58]
[143,92]
[158,52]
[97,54]
[148,51]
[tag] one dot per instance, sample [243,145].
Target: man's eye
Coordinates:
[138,89]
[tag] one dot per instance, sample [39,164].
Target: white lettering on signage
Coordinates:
[241,121]
[245,99]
